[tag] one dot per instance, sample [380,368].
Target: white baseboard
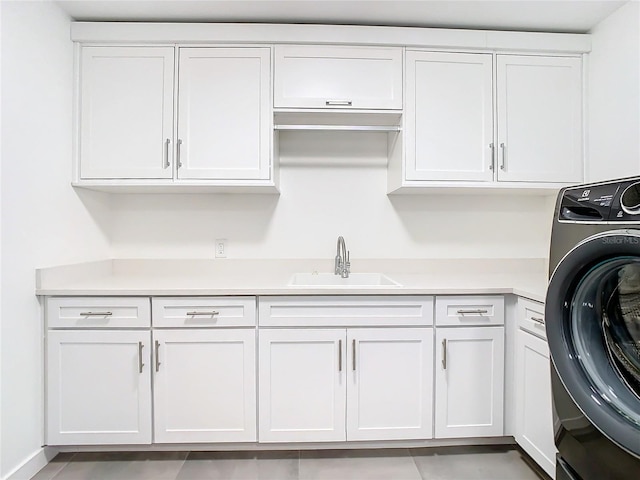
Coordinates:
[33,464]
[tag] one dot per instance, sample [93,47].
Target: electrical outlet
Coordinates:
[221,248]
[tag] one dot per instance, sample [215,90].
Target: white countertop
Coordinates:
[187,277]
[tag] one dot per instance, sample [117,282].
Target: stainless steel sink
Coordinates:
[355,280]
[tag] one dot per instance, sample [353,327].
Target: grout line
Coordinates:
[413,458]
[62,466]
[184,461]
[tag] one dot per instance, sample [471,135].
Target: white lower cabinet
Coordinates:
[469,369]
[534,413]
[170,370]
[102,359]
[98,387]
[469,382]
[204,369]
[336,384]
[390,383]
[302,385]
[204,385]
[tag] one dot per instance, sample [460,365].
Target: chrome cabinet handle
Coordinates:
[157,356]
[477,311]
[493,156]
[166,153]
[96,314]
[353,350]
[339,103]
[538,320]
[140,364]
[212,313]
[504,155]
[339,355]
[178,152]
[444,354]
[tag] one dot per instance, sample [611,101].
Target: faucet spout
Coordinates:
[342,263]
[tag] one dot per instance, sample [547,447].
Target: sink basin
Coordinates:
[355,280]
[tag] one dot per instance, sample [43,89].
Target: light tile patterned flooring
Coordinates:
[451,463]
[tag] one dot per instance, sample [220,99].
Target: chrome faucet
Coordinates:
[342,263]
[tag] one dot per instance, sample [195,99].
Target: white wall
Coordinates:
[1,463]
[44,222]
[332,184]
[614,95]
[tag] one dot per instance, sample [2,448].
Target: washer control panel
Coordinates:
[608,202]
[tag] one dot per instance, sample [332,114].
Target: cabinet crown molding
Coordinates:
[416,37]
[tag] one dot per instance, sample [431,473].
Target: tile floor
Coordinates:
[451,463]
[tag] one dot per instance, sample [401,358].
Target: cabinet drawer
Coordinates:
[338,77]
[531,317]
[183,312]
[324,311]
[98,312]
[470,310]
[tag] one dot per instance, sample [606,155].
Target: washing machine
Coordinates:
[592,317]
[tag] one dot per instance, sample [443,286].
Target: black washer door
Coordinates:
[593,329]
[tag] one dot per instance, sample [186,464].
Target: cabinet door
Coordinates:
[449,116]
[338,77]
[469,382]
[534,424]
[390,383]
[224,113]
[204,385]
[98,387]
[126,112]
[539,119]
[302,385]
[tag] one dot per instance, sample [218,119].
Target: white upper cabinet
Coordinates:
[449,116]
[224,111]
[126,112]
[539,118]
[490,120]
[218,136]
[349,77]
[189,109]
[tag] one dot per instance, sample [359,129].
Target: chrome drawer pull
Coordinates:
[212,313]
[96,314]
[157,356]
[353,349]
[340,103]
[473,312]
[493,156]
[444,354]
[538,320]
[166,153]
[140,364]
[339,355]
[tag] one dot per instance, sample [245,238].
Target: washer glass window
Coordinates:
[605,328]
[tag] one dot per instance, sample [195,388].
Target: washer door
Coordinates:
[593,329]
